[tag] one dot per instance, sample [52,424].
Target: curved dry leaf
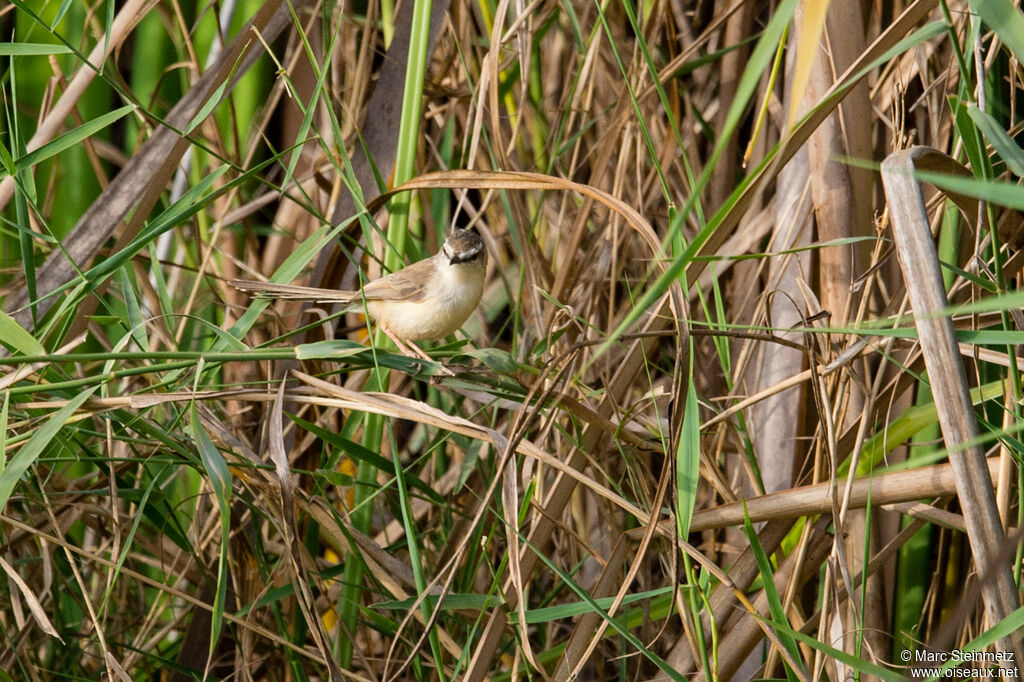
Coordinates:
[400,407]
[30,598]
[522,180]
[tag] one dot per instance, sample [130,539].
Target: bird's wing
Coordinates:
[405,285]
[290,292]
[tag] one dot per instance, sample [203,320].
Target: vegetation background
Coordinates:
[692,431]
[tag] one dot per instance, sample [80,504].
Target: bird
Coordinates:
[428,299]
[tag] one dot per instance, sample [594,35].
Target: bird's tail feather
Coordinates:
[290,292]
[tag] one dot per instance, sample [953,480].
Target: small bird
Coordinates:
[429,299]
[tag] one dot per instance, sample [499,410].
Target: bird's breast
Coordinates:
[451,295]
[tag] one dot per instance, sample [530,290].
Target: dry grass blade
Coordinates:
[34,607]
[403,408]
[522,180]
[299,573]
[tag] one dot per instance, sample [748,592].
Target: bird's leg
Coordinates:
[410,349]
[407,349]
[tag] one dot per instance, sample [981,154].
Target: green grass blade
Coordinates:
[688,460]
[1005,19]
[774,602]
[220,480]
[32,49]
[26,456]
[73,137]
[15,337]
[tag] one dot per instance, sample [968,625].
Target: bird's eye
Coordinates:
[463,256]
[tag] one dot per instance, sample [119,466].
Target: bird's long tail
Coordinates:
[290,292]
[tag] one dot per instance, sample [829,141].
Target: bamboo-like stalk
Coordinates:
[916,249]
